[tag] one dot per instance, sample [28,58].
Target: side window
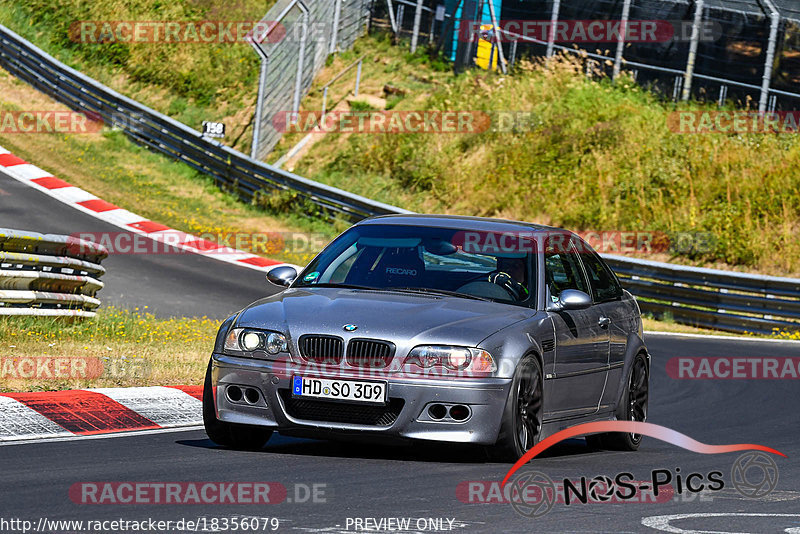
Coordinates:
[604,284]
[562,269]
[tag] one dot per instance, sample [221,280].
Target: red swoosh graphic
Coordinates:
[635,427]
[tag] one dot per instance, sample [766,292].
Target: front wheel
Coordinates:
[522,418]
[235,436]
[632,406]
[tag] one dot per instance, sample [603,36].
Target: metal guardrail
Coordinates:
[701,297]
[49,275]
[710,298]
[230,169]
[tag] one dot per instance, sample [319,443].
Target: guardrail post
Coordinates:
[687,79]
[626,13]
[775,20]
[358,77]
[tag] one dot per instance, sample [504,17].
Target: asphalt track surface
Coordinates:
[174,284]
[410,481]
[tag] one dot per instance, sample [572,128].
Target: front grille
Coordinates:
[369,353]
[321,349]
[340,412]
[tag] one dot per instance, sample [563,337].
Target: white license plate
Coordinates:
[344,390]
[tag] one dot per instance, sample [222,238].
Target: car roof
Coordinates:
[461,222]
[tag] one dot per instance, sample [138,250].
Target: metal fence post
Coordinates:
[392,20]
[775,20]
[262,82]
[626,14]
[687,78]
[298,83]
[337,14]
[551,34]
[417,22]
[496,34]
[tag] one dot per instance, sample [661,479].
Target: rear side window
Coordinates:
[604,283]
[562,268]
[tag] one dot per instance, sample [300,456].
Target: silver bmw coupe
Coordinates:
[442,328]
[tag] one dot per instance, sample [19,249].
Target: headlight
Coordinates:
[245,340]
[453,358]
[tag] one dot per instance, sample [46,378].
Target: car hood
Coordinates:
[405,319]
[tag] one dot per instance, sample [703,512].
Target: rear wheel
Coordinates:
[631,407]
[522,418]
[235,436]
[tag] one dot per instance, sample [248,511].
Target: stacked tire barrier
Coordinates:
[49,275]
[710,298]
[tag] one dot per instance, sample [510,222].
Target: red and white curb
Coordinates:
[84,412]
[86,202]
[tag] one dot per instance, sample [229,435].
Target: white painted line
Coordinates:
[662,522]
[121,434]
[20,422]
[729,338]
[166,407]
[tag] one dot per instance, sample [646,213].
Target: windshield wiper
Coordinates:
[437,291]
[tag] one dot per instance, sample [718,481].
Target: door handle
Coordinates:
[604,322]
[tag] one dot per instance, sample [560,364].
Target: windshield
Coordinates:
[421,259]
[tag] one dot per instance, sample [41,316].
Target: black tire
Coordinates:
[632,406]
[522,417]
[235,436]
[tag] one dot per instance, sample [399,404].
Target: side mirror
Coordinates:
[282,276]
[571,299]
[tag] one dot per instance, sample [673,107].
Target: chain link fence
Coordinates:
[297,38]
[742,51]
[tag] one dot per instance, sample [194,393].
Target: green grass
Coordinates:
[110,166]
[190,82]
[134,347]
[597,156]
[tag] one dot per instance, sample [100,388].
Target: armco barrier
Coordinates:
[50,275]
[230,168]
[710,298]
[701,297]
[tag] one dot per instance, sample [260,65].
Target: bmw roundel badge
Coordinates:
[349,327]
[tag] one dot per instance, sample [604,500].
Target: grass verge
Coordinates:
[118,348]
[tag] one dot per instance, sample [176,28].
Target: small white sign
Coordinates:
[213,129]
[440,12]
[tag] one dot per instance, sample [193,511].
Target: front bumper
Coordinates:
[405,416]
